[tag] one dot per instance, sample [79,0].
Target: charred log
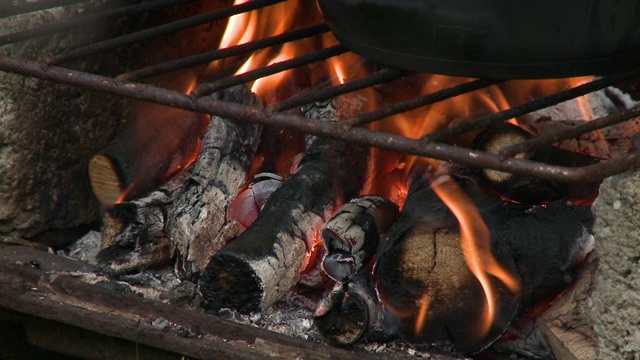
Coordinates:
[198,224]
[428,291]
[186,218]
[352,235]
[527,189]
[133,236]
[261,264]
[350,311]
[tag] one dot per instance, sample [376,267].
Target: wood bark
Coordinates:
[265,261]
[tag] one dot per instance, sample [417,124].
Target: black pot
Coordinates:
[491,38]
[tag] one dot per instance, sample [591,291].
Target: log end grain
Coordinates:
[105,181]
[231,282]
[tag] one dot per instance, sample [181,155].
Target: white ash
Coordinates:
[606,143]
[85,249]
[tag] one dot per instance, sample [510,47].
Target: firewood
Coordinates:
[565,325]
[606,143]
[527,189]
[155,146]
[133,234]
[421,271]
[350,311]
[260,265]
[189,211]
[352,235]
[64,291]
[198,224]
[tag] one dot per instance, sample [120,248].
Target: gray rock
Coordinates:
[616,301]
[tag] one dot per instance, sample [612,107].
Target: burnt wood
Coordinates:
[352,235]
[528,189]
[422,264]
[264,262]
[70,296]
[186,219]
[350,311]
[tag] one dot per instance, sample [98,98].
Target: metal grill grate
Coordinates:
[130,85]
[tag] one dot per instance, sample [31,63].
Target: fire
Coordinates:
[475,243]
[389,172]
[422,314]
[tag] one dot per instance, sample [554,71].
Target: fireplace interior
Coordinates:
[237,183]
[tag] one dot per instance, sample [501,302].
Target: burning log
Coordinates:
[352,235]
[189,211]
[198,224]
[255,269]
[428,289]
[167,137]
[527,189]
[606,143]
[350,311]
[351,238]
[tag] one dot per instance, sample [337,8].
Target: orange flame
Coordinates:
[475,242]
[422,313]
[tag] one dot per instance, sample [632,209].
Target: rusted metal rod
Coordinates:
[211,87]
[419,102]
[7,9]
[357,135]
[159,30]
[86,20]
[532,106]
[333,91]
[600,123]
[218,54]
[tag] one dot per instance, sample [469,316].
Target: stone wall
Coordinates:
[616,300]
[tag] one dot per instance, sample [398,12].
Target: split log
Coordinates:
[430,293]
[566,326]
[187,215]
[527,189]
[352,235]
[264,262]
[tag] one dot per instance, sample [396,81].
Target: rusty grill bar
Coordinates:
[127,85]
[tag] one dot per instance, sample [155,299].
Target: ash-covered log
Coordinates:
[528,189]
[352,235]
[429,292]
[350,311]
[265,261]
[198,224]
[188,214]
